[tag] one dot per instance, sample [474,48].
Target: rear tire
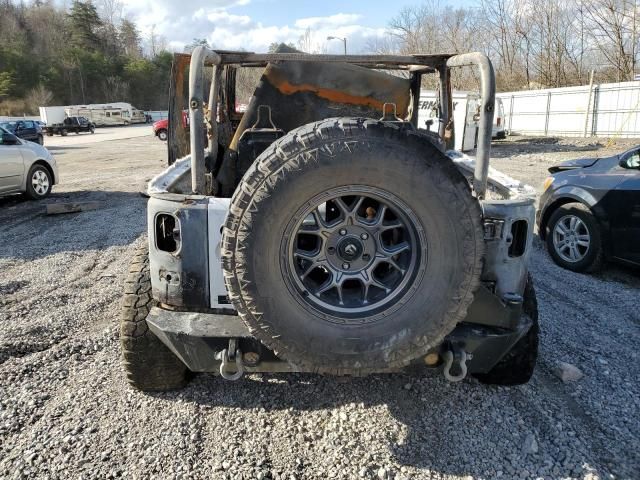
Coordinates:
[149,364]
[341,321]
[162,135]
[517,366]
[64,132]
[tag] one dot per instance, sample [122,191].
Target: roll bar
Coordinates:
[202,56]
[487,98]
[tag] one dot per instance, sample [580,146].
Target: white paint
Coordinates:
[162,182]
[217,214]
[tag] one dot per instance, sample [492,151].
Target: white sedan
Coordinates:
[25,167]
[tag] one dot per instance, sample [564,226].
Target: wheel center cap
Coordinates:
[350,248]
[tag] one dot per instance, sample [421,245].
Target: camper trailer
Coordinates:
[110,114]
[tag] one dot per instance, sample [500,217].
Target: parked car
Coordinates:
[161,129]
[25,167]
[590,211]
[25,129]
[71,124]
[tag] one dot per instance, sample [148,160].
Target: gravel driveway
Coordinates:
[66,411]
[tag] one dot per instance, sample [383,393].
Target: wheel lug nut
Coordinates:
[343,231]
[346,266]
[364,236]
[366,256]
[331,250]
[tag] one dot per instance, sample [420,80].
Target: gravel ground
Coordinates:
[67,412]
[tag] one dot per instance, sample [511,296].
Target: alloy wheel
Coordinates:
[40,182]
[571,238]
[353,253]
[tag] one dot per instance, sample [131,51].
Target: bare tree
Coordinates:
[308,43]
[38,97]
[111,11]
[613,33]
[115,89]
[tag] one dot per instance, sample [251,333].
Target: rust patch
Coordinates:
[328,94]
[284,86]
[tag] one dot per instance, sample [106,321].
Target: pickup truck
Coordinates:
[70,124]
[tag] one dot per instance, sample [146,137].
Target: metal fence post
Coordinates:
[511,116]
[586,112]
[546,120]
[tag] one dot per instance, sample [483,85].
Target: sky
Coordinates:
[254,24]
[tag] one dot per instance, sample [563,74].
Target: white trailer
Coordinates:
[51,115]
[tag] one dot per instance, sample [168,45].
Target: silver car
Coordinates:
[25,167]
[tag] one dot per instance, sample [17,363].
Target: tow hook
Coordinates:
[227,357]
[461,357]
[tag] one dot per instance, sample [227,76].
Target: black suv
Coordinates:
[590,211]
[25,129]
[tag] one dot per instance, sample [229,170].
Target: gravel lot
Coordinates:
[67,412]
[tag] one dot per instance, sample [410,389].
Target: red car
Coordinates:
[161,127]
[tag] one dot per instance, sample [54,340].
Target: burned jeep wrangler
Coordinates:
[322,229]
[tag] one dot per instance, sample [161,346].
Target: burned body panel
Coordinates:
[179,257]
[301,92]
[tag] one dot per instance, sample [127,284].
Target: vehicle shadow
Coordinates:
[414,416]
[60,149]
[533,145]
[117,220]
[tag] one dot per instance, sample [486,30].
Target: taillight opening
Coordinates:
[167,230]
[519,230]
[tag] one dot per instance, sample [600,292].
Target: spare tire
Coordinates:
[352,246]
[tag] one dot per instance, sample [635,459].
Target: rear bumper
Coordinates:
[491,329]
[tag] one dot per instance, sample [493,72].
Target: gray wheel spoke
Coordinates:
[583,240]
[390,226]
[563,228]
[573,251]
[335,282]
[394,250]
[573,221]
[379,218]
[349,214]
[380,285]
[307,255]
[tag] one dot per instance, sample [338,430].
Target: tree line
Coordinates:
[532,43]
[90,53]
[86,54]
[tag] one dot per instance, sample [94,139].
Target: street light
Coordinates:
[343,40]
